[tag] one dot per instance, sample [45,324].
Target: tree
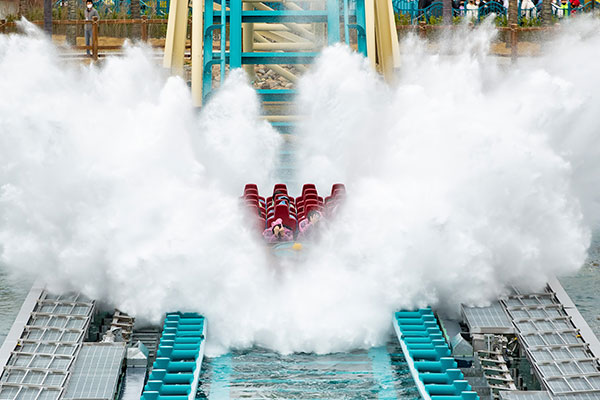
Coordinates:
[513,12]
[22,8]
[546,12]
[72,29]
[447,13]
[136,29]
[48,17]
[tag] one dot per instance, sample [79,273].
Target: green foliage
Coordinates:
[528,22]
[403,19]
[435,20]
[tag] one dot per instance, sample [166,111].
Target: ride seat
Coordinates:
[282,211]
[250,186]
[310,191]
[339,193]
[280,187]
[311,205]
[309,197]
[338,186]
[308,186]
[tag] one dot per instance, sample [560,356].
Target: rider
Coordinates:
[278,232]
[307,226]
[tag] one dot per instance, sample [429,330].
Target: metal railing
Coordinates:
[94,47]
[160,7]
[513,32]
[409,12]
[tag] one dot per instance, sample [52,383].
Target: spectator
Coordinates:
[89,13]
[528,9]
[472,10]
[575,4]
[278,232]
[564,9]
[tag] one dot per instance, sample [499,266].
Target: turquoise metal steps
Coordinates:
[284,127]
[276,94]
[429,359]
[178,360]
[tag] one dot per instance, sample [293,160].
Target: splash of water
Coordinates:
[462,177]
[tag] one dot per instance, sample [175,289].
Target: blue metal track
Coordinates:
[338,15]
[428,356]
[178,360]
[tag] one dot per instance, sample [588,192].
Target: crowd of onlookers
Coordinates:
[528,8]
[284,218]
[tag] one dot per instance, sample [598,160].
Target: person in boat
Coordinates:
[278,232]
[307,226]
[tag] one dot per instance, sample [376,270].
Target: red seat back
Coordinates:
[250,191]
[310,191]
[310,196]
[308,186]
[250,186]
[282,211]
[280,187]
[310,205]
[338,186]
[252,197]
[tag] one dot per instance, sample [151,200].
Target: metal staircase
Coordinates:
[496,371]
[149,336]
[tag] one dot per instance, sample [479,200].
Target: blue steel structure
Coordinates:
[435,372]
[179,359]
[350,13]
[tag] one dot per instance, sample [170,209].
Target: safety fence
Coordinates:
[408,11]
[94,47]
[156,7]
[512,33]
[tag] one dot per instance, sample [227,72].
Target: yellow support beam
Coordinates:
[283,46]
[283,72]
[294,27]
[281,118]
[197,50]
[262,26]
[176,35]
[248,41]
[388,53]
[370,28]
[285,36]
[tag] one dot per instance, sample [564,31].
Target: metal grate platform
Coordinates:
[553,344]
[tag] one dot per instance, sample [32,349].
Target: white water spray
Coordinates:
[463,180]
